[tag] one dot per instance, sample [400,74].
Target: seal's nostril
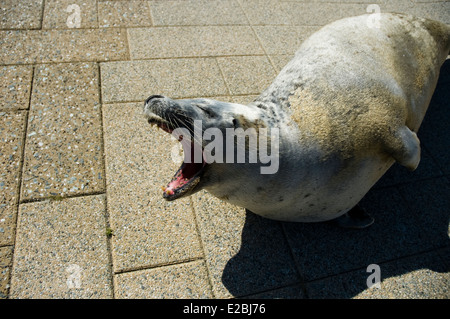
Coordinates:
[153,97]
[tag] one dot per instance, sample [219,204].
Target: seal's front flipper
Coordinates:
[405,148]
[355,218]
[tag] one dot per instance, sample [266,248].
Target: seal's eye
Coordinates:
[235,122]
[206,111]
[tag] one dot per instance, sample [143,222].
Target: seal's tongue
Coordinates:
[187,176]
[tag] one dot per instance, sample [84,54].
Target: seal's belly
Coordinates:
[322,195]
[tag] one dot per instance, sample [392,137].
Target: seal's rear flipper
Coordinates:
[355,218]
[405,148]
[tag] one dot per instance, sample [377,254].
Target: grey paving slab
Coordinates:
[192,41]
[12,130]
[6,254]
[272,12]
[63,152]
[283,39]
[265,12]
[61,250]
[8,217]
[322,249]
[247,74]
[15,87]
[416,277]
[148,231]
[62,14]
[196,247]
[124,13]
[290,292]
[24,14]
[41,46]
[398,174]
[176,78]
[244,99]
[186,281]
[198,12]
[438,11]
[311,13]
[245,254]
[433,132]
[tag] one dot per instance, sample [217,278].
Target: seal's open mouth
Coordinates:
[188,175]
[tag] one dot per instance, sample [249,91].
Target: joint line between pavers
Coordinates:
[42,15]
[297,266]
[160,265]
[257,37]
[181,57]
[106,215]
[58,198]
[199,235]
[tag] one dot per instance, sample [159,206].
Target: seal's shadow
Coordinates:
[411,211]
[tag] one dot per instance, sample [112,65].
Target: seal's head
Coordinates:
[188,119]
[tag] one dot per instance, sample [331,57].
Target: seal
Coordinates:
[346,107]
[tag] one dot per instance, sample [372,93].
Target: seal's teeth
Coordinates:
[163,188]
[169,192]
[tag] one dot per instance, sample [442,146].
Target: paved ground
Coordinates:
[81,211]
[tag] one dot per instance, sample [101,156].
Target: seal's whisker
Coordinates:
[183,124]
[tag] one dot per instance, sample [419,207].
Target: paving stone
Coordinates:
[290,292]
[176,78]
[63,152]
[61,250]
[6,254]
[417,277]
[434,129]
[62,14]
[267,12]
[245,254]
[429,202]
[247,74]
[192,41]
[124,14]
[244,99]
[41,46]
[323,249]
[8,217]
[12,127]
[439,11]
[148,231]
[197,12]
[398,174]
[355,9]
[15,87]
[283,39]
[185,281]
[25,14]
[280,61]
